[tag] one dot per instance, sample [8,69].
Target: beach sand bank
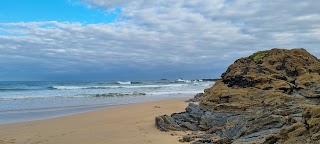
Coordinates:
[128,124]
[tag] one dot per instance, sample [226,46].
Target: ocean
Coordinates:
[35,100]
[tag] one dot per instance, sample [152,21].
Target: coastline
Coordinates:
[29,101]
[17,116]
[132,123]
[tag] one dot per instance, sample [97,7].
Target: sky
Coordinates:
[146,39]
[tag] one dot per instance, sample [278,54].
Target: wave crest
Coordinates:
[75,96]
[112,87]
[182,80]
[124,83]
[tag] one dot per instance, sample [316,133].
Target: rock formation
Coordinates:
[269,97]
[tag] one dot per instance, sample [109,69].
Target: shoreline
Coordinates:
[12,117]
[131,123]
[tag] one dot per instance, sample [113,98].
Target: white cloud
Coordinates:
[207,34]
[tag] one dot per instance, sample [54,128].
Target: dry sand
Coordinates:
[129,124]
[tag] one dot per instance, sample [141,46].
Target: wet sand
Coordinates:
[128,124]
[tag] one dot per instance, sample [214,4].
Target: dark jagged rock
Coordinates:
[166,123]
[257,137]
[313,91]
[235,127]
[269,97]
[189,120]
[214,119]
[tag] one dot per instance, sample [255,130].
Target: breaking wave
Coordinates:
[113,87]
[182,80]
[126,82]
[75,96]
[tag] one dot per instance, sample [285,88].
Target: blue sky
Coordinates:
[138,39]
[53,10]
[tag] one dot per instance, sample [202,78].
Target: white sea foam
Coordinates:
[182,80]
[53,94]
[114,86]
[73,96]
[124,83]
[66,87]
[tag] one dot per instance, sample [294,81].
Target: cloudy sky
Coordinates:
[146,39]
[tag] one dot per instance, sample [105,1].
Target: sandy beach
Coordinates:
[127,124]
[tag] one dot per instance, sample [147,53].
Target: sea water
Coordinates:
[33,100]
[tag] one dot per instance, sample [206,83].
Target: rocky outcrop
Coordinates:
[266,78]
[269,97]
[278,69]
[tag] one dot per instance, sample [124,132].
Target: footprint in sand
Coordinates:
[156,107]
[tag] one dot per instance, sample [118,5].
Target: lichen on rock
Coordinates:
[258,56]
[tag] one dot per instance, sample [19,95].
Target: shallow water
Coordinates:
[25,101]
